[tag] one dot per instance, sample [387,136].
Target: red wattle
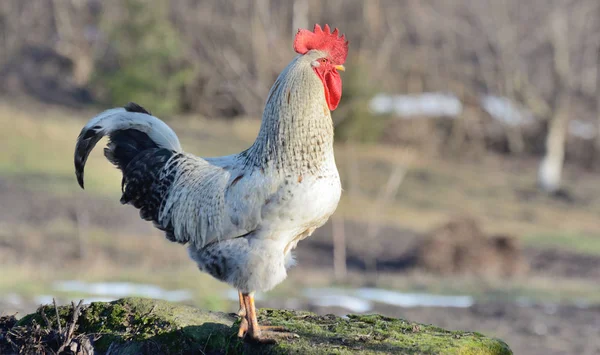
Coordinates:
[332,84]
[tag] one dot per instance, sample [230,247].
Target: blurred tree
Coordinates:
[148,65]
[71,19]
[353,119]
[550,170]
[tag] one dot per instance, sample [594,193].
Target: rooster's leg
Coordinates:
[242,310]
[242,314]
[255,332]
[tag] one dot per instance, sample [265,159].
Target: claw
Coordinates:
[273,328]
[271,337]
[243,328]
[266,334]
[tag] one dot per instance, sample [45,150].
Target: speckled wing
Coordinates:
[193,200]
[203,201]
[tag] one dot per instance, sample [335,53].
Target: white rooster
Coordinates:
[242,214]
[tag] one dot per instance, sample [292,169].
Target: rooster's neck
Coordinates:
[296,134]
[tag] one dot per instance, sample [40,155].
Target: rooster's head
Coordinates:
[328,52]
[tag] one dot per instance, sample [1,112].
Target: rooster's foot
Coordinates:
[266,334]
[269,335]
[251,331]
[243,328]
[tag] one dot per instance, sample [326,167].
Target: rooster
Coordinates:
[240,215]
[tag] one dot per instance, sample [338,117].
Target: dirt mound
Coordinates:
[564,263]
[461,247]
[43,73]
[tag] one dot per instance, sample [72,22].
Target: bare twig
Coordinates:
[151,311]
[57,318]
[76,314]
[45,318]
[68,337]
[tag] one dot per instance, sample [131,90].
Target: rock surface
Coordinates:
[145,326]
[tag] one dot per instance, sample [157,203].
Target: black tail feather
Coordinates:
[133,107]
[125,145]
[85,143]
[140,158]
[143,186]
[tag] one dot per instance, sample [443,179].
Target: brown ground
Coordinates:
[398,252]
[529,328]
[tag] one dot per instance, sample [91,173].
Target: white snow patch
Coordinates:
[408,300]
[122,289]
[505,110]
[331,297]
[43,299]
[582,129]
[13,299]
[431,104]
[361,300]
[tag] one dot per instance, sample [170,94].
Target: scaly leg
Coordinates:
[255,332]
[242,313]
[242,310]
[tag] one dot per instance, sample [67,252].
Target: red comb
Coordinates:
[322,39]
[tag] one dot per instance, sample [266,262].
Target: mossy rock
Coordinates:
[145,326]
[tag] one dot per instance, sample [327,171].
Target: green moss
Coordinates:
[143,326]
[370,334]
[64,313]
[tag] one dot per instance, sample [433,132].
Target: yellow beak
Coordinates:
[340,67]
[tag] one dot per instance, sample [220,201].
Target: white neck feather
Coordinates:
[296,133]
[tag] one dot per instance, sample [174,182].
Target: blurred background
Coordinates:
[467,141]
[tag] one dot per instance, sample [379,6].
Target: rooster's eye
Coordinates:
[323,60]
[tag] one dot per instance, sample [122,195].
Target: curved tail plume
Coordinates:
[131,130]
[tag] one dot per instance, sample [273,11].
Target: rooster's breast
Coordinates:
[303,202]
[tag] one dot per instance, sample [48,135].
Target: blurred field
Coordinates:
[52,231]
